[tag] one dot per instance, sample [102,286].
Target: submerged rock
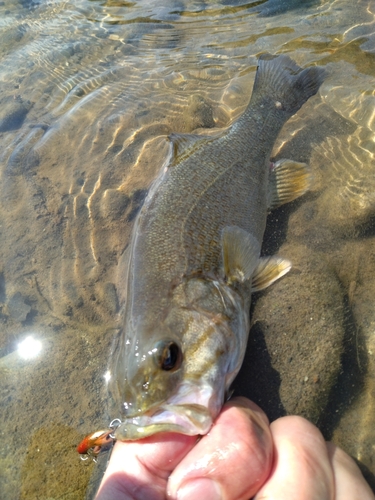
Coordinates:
[17,307]
[13,111]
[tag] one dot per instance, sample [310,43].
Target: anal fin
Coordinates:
[288,180]
[268,270]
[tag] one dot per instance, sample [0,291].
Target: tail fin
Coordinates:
[288,85]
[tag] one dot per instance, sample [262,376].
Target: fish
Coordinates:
[195,259]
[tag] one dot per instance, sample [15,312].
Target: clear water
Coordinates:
[89,91]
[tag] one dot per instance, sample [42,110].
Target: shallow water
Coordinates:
[89,91]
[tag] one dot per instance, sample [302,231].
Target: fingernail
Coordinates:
[200,488]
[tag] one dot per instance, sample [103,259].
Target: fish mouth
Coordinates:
[183,419]
[191,412]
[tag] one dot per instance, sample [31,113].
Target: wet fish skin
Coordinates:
[194,258]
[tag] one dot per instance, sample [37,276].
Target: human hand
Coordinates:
[236,454]
[241,457]
[305,467]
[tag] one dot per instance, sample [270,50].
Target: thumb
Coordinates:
[138,470]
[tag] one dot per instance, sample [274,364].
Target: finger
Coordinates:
[349,482]
[301,469]
[138,470]
[231,462]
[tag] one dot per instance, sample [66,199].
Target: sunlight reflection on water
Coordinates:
[29,348]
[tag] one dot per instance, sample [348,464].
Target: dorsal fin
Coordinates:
[186,144]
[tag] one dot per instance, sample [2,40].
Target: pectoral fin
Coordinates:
[240,254]
[287,181]
[268,270]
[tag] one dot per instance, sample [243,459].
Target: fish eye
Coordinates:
[168,355]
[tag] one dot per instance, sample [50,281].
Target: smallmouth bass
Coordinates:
[195,260]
